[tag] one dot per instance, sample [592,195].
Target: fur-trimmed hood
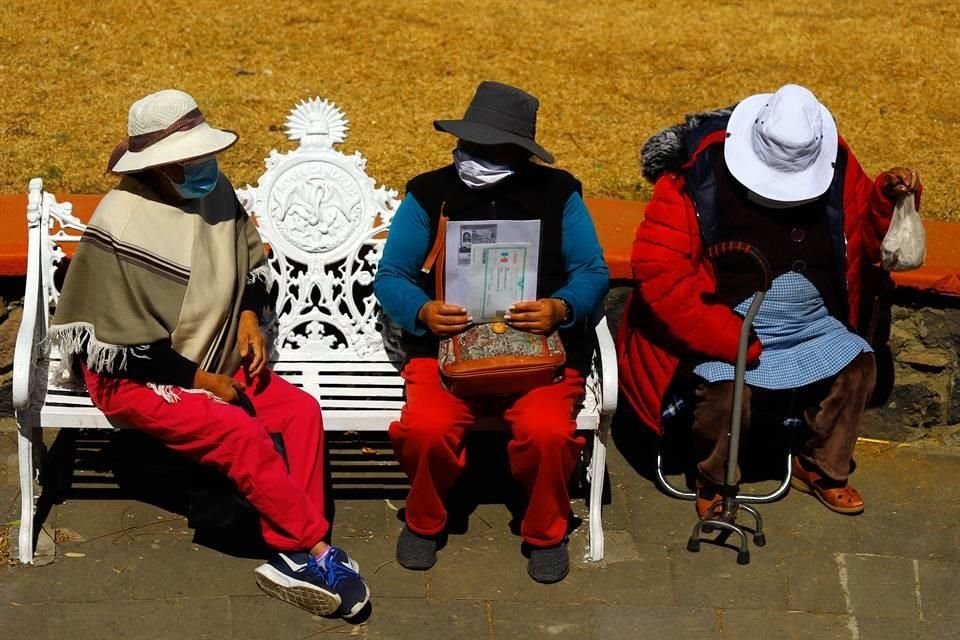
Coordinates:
[670,149]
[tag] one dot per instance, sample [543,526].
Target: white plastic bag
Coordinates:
[905,245]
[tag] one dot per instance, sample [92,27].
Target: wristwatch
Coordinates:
[567,311]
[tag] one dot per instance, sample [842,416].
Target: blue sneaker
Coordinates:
[330,584]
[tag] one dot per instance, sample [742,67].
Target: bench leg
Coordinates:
[598,467]
[29,445]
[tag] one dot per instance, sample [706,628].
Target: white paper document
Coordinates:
[491,264]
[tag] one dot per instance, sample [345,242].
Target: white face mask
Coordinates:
[477,173]
[776,204]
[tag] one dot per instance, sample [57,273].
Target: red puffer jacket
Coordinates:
[667,316]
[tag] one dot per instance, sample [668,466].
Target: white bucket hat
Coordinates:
[783,145]
[163,128]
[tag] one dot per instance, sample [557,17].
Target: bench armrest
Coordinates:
[608,363]
[33,330]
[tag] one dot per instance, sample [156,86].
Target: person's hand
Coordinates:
[253,348]
[442,319]
[898,182]
[224,387]
[537,316]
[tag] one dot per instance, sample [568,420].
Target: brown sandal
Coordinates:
[836,496]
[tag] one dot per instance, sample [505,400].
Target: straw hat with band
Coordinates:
[783,145]
[499,114]
[166,127]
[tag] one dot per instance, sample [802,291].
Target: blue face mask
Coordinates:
[200,177]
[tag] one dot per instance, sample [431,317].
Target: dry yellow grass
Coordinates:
[609,73]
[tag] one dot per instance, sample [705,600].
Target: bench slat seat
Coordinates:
[339,404]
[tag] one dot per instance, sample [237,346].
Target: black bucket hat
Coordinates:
[499,114]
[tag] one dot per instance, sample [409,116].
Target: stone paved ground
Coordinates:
[126,569]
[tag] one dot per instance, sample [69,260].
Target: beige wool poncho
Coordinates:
[146,271]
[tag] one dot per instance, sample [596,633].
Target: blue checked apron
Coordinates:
[802,342]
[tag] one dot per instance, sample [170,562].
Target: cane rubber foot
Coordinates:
[707,528]
[760,540]
[693,545]
[743,557]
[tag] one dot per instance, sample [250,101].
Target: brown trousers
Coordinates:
[831,409]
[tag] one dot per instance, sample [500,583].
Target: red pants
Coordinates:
[291,505]
[428,441]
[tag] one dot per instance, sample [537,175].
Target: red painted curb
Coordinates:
[616,222]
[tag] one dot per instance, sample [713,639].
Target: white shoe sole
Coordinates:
[304,595]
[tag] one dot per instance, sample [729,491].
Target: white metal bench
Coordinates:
[325,221]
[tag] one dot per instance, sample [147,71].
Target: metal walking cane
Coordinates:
[726,520]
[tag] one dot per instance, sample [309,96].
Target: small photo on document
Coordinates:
[471,234]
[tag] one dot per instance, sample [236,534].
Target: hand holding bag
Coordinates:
[492,359]
[904,247]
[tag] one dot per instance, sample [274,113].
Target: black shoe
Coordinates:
[415,551]
[549,564]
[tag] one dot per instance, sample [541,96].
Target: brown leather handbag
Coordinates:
[492,359]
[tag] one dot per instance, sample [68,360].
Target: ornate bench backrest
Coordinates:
[325,221]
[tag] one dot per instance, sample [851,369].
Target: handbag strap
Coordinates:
[436,257]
